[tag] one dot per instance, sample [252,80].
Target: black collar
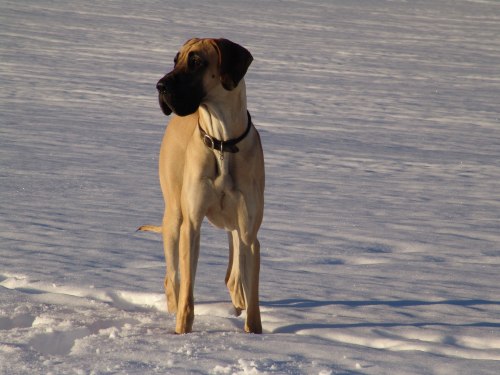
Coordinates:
[224,146]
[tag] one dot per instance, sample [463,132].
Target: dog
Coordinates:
[211,165]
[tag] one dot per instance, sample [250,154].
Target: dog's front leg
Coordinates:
[194,200]
[171,232]
[188,258]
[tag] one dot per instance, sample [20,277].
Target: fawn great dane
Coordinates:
[211,165]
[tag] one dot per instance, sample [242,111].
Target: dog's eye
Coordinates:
[195,62]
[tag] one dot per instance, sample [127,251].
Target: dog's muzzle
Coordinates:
[180,92]
[161,86]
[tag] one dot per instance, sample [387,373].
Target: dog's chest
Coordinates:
[225,202]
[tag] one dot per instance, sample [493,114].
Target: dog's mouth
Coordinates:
[172,104]
[165,108]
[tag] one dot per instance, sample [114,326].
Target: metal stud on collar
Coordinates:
[211,143]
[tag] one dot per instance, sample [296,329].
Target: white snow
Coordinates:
[381,239]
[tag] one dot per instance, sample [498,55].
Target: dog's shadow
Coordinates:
[305,305]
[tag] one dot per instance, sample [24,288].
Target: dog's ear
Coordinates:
[234,61]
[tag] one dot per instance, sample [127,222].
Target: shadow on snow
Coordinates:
[306,303]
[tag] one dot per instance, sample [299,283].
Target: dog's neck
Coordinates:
[224,116]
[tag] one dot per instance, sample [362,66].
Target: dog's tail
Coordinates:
[150,228]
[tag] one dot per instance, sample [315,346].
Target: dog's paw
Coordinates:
[236,311]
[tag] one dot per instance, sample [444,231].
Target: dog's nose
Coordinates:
[160,86]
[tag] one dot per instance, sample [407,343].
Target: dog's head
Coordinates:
[200,67]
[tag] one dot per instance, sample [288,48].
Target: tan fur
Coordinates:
[196,183]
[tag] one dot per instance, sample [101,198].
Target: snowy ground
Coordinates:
[381,240]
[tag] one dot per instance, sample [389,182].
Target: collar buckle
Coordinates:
[224,146]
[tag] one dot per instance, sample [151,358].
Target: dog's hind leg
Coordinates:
[250,269]
[233,275]
[243,280]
